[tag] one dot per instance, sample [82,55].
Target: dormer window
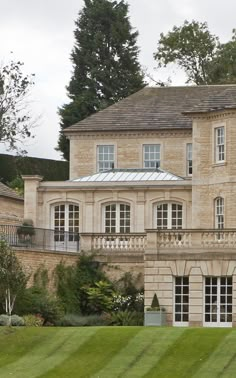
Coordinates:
[220,144]
[151,155]
[105,158]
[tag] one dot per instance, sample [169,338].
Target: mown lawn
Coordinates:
[110,352]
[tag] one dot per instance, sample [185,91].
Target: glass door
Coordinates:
[218,302]
[181,301]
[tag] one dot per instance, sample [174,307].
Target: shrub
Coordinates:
[100,297]
[130,302]
[73,286]
[4,320]
[33,320]
[17,321]
[127,318]
[155,302]
[26,229]
[74,320]
[14,320]
[36,300]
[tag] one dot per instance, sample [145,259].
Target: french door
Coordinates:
[117,218]
[218,302]
[181,301]
[66,226]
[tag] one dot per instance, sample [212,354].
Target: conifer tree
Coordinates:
[105,63]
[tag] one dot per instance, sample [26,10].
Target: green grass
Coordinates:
[112,352]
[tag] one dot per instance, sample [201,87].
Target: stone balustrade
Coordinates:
[191,239]
[152,240]
[113,242]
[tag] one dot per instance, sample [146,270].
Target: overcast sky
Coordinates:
[41,35]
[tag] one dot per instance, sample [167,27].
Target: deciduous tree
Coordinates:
[13,279]
[15,119]
[192,47]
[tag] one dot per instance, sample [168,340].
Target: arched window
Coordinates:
[219,213]
[66,222]
[169,216]
[117,218]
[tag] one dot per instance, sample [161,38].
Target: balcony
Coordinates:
[191,241]
[132,242]
[151,241]
[39,238]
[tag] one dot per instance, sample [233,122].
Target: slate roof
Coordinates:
[130,175]
[5,191]
[226,99]
[158,108]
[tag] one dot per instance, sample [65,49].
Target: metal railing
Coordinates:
[39,238]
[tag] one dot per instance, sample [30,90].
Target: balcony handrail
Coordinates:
[126,242]
[21,236]
[203,239]
[192,230]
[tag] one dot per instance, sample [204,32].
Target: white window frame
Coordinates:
[108,163]
[189,159]
[218,301]
[154,157]
[67,224]
[181,317]
[118,219]
[169,219]
[219,213]
[219,144]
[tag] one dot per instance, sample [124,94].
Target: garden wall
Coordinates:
[115,265]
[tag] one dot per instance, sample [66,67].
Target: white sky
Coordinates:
[40,34]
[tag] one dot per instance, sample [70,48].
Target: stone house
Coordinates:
[153,179]
[11,206]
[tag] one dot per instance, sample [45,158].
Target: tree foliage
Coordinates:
[12,277]
[105,62]
[199,53]
[191,46]
[15,119]
[73,282]
[223,66]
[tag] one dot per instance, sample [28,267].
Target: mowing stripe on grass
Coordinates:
[93,355]
[185,357]
[141,353]
[17,341]
[222,362]
[47,355]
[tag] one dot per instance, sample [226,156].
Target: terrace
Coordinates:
[155,241]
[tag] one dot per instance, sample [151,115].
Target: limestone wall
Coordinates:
[142,202]
[129,150]
[33,260]
[211,179]
[115,265]
[11,211]
[160,274]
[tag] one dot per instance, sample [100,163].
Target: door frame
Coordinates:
[218,322]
